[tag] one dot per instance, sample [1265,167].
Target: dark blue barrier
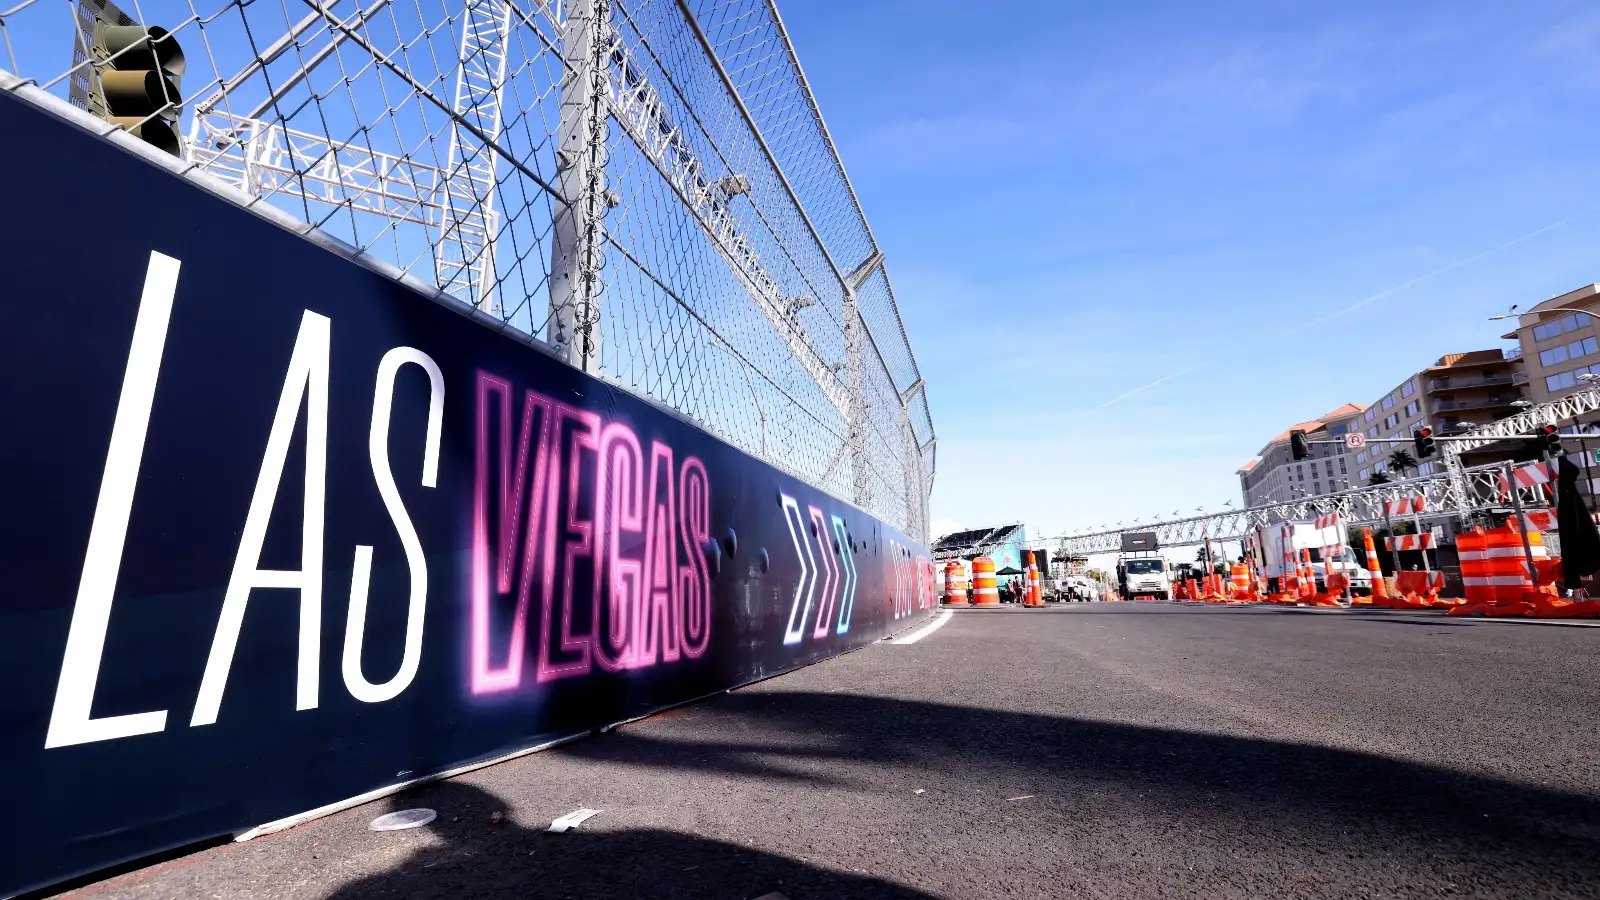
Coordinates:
[279,531]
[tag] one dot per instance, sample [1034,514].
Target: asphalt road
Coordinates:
[1116,751]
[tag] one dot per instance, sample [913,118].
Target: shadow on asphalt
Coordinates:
[479,859]
[1261,791]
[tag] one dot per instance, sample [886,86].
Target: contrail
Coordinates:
[1465,261]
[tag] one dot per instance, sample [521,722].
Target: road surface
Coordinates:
[1098,751]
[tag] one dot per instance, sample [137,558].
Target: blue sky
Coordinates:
[1079,199]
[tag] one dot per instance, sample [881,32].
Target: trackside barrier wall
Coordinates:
[280,532]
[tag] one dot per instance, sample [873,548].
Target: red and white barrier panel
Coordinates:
[1323,524]
[1539,520]
[1406,506]
[1531,475]
[1409,542]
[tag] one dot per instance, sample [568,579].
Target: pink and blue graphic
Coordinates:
[641,528]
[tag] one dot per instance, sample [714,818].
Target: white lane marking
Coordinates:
[924,631]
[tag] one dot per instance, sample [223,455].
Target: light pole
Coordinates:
[1513,314]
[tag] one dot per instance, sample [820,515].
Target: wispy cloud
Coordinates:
[1309,324]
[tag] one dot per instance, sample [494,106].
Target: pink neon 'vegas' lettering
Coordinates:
[618,511]
[486,677]
[579,544]
[644,529]
[694,579]
[660,616]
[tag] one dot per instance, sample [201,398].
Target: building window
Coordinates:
[1552,356]
[1371,414]
[1388,403]
[1560,381]
[1313,468]
[1391,421]
[1365,473]
[1408,388]
[1361,457]
[1372,432]
[1299,473]
[1562,325]
[1380,466]
[1582,348]
[1341,468]
[1413,408]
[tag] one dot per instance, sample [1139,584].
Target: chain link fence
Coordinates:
[647,187]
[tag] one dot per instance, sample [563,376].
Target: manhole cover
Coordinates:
[405,818]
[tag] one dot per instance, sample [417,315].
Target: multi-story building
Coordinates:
[1559,342]
[1273,477]
[1459,392]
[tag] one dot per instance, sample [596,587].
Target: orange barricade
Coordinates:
[1495,574]
[1336,583]
[1239,582]
[1380,588]
[955,584]
[985,591]
[1033,594]
[1416,590]
[1494,566]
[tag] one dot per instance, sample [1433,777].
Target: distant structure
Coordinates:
[1274,477]
[1002,543]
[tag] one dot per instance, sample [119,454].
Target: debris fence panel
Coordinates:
[646,186]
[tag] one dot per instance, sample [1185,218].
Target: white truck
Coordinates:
[1144,576]
[1306,536]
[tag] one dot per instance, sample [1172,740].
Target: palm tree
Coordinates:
[1402,461]
[1379,478]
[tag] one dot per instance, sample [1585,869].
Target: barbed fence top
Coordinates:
[647,187]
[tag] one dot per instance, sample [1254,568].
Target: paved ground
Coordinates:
[1117,751]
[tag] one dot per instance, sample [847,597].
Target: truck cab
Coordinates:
[1144,576]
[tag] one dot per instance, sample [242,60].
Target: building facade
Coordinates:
[1274,477]
[1457,393]
[1559,342]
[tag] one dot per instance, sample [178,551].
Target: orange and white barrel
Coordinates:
[1035,590]
[1239,581]
[1494,567]
[1380,589]
[955,584]
[985,590]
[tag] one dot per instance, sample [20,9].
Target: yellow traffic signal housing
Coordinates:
[131,76]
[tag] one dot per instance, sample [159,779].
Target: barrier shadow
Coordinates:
[475,858]
[1266,790]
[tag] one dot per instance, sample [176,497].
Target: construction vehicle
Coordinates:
[1306,536]
[1141,570]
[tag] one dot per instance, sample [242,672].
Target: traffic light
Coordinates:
[1550,440]
[1424,441]
[138,69]
[1299,447]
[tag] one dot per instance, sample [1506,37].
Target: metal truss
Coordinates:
[464,259]
[270,160]
[1455,493]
